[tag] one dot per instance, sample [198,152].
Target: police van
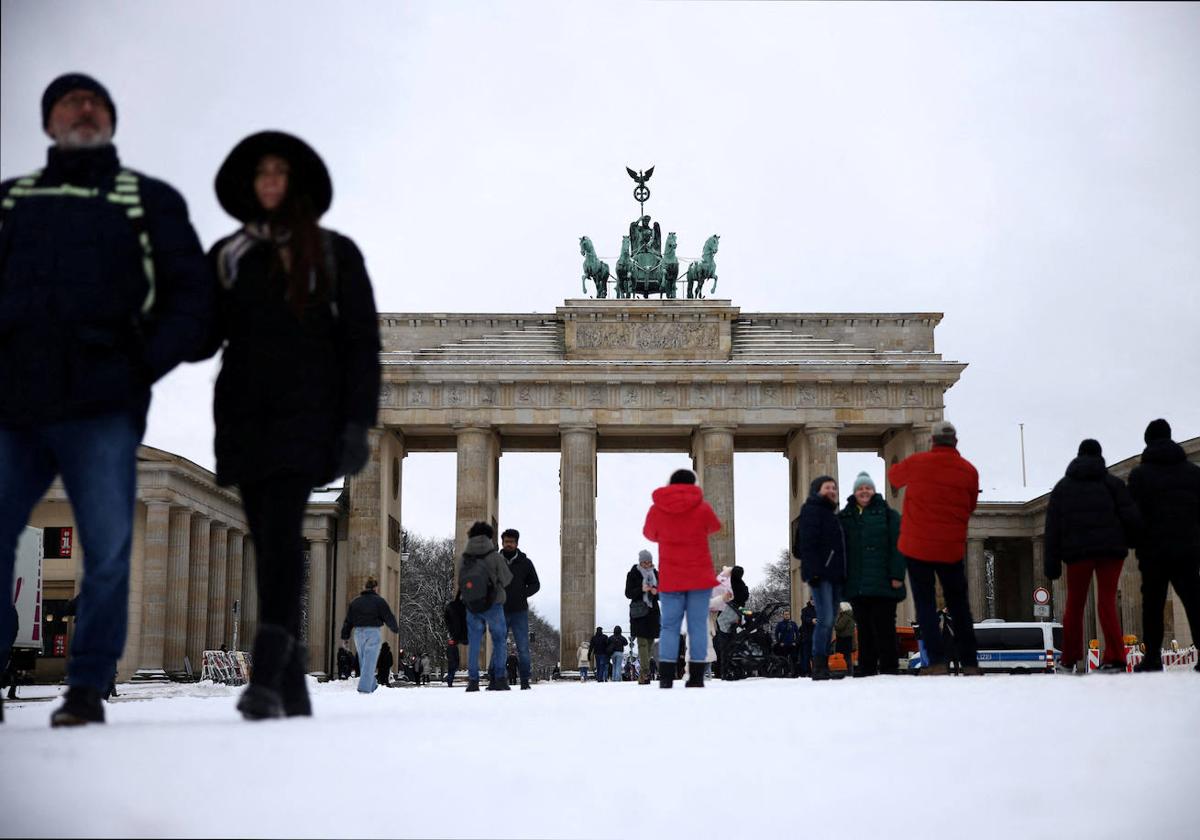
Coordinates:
[1018,646]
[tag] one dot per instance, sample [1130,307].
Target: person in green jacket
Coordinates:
[874,575]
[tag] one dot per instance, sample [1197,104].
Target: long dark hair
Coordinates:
[295,214]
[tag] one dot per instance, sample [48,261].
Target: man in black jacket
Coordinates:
[598,647]
[821,548]
[808,623]
[365,615]
[1166,487]
[103,290]
[1089,518]
[524,584]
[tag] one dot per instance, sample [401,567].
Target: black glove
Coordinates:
[354,449]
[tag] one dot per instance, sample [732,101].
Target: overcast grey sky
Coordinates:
[1027,169]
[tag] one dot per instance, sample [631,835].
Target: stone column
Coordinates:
[822,451]
[178,550]
[154,589]
[365,533]
[1039,571]
[249,593]
[713,448]
[976,579]
[318,606]
[577,485]
[218,559]
[233,589]
[477,480]
[897,444]
[197,623]
[796,452]
[1129,585]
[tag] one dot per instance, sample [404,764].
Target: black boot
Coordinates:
[263,698]
[499,684]
[294,685]
[695,675]
[820,668]
[82,705]
[666,675]
[472,685]
[524,683]
[1147,664]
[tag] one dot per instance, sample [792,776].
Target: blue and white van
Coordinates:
[1018,646]
[1015,647]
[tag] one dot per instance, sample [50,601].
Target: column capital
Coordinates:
[586,428]
[823,426]
[218,524]
[459,428]
[715,428]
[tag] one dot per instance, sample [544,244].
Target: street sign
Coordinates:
[1041,610]
[1041,596]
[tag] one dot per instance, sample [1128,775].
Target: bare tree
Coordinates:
[776,585]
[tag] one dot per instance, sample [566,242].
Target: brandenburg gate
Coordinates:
[637,375]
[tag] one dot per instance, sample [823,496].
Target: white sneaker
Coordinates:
[1075,670]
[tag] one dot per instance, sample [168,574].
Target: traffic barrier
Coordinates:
[228,667]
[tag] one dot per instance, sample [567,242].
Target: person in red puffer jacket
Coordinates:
[680,522]
[943,489]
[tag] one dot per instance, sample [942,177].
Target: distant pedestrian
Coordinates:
[426,668]
[1166,487]
[452,660]
[680,521]
[1090,519]
[345,663]
[482,578]
[103,290]
[808,626]
[599,649]
[616,653]
[581,657]
[524,585]
[741,592]
[366,614]
[298,388]
[943,490]
[383,666]
[949,643]
[843,631]
[787,640]
[875,571]
[820,546]
[645,617]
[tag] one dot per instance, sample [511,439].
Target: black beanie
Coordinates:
[815,488]
[1158,430]
[1090,447]
[68,82]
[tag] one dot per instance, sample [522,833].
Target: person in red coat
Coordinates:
[680,522]
[942,491]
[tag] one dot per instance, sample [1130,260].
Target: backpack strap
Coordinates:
[125,192]
[331,270]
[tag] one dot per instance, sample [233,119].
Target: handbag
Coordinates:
[639,609]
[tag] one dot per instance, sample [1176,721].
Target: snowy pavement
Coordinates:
[985,757]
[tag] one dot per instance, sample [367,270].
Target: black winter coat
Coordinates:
[383,665]
[288,386]
[737,583]
[819,542]
[368,610]
[598,646]
[808,620]
[73,341]
[524,583]
[1166,487]
[1090,514]
[616,643]
[649,625]
[455,615]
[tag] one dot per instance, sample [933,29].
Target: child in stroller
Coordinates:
[747,650]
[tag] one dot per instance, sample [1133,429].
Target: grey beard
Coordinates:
[75,139]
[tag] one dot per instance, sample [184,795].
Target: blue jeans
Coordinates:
[518,623]
[601,666]
[693,603]
[618,660]
[826,596]
[97,459]
[583,673]
[491,619]
[367,641]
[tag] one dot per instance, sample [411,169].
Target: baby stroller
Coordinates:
[749,649]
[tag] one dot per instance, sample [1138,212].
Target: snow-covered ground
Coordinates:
[996,756]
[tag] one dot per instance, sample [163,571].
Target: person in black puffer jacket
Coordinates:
[299,382]
[1089,521]
[641,588]
[103,290]
[820,546]
[1166,487]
